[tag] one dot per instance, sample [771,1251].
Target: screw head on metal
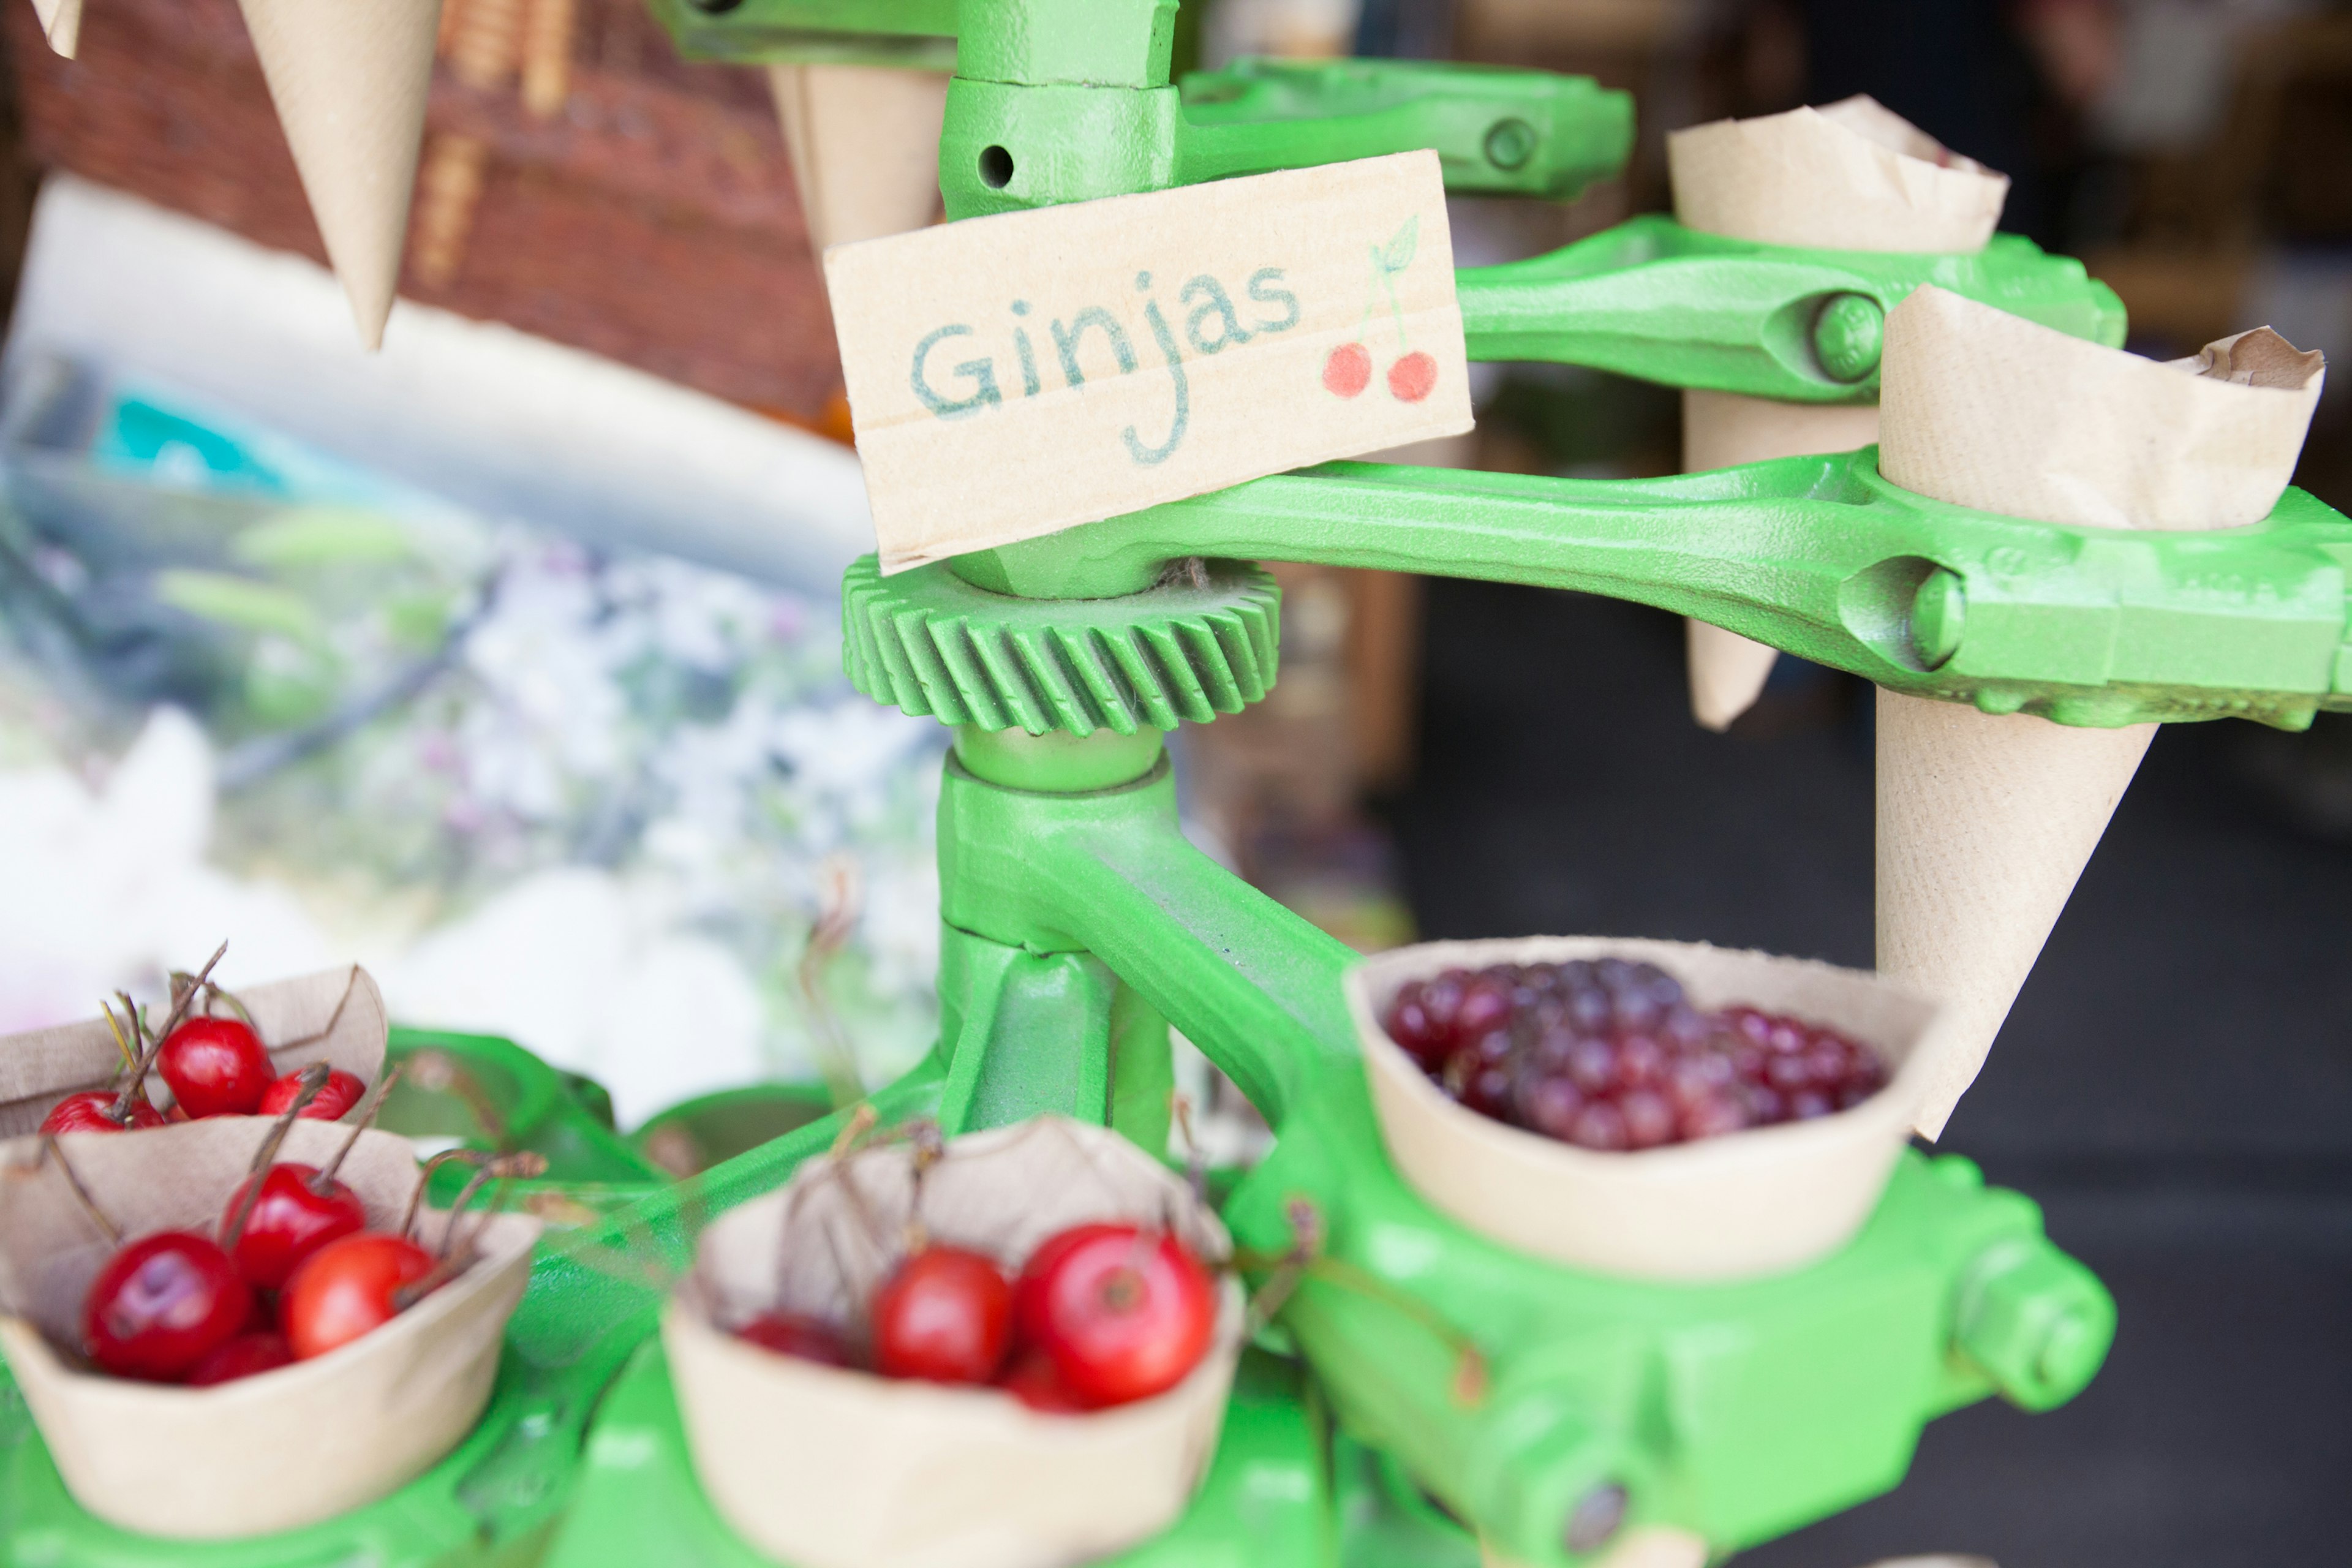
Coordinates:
[1510,143]
[1939,613]
[1848,332]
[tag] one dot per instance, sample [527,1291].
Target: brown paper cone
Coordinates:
[61,22]
[824,1468]
[349,81]
[334,1017]
[1984,823]
[268,1452]
[1749,1203]
[1645,1546]
[865,144]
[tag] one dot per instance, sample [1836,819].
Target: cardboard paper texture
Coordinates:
[349,81]
[864,146]
[1749,1204]
[1017,375]
[1984,822]
[1831,193]
[268,1452]
[334,1017]
[60,24]
[824,1468]
[1985,409]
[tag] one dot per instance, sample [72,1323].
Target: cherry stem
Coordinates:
[526,1163]
[437,1072]
[369,1103]
[181,999]
[106,1227]
[130,1056]
[313,1079]
[244,1014]
[425,1180]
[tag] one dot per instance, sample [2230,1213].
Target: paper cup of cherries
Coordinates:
[233,1327]
[1662,1110]
[211,1053]
[1009,1351]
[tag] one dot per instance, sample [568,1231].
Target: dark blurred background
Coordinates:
[1452,758]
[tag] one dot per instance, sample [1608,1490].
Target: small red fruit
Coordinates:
[346,1288]
[89,1111]
[1348,370]
[1034,1382]
[290,1220]
[1123,1313]
[162,1304]
[216,1067]
[255,1351]
[340,1093]
[797,1335]
[946,1316]
[1412,378]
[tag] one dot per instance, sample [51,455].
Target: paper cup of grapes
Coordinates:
[210,1053]
[1010,1351]
[233,1327]
[1658,1110]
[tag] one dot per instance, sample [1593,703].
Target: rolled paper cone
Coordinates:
[826,1467]
[864,146]
[1850,177]
[1643,1546]
[1739,1207]
[273,1452]
[1985,822]
[350,80]
[60,23]
[335,1016]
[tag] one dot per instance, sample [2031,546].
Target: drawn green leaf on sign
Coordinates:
[1397,255]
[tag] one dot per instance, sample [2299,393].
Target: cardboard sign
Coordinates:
[1012,375]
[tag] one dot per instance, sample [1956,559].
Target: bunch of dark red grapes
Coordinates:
[1610,1055]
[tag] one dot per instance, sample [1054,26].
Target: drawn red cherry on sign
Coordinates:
[946,1316]
[92,1110]
[348,1287]
[1348,370]
[1412,378]
[800,1336]
[253,1351]
[1122,1313]
[342,1092]
[291,1219]
[216,1067]
[162,1304]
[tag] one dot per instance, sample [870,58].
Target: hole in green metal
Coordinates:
[715,7]
[1907,608]
[1510,143]
[1595,1517]
[995,167]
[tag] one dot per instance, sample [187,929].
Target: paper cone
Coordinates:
[865,144]
[61,22]
[824,1468]
[1984,823]
[1645,1546]
[334,1017]
[274,1452]
[1749,1203]
[350,80]
[1988,410]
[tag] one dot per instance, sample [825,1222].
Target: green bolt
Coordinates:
[1940,613]
[1847,333]
[2038,1322]
[1510,143]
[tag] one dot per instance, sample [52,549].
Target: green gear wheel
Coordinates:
[927,642]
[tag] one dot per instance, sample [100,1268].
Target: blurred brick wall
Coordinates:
[651,219]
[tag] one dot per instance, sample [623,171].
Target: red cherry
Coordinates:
[216,1067]
[162,1304]
[290,1220]
[340,1093]
[1123,1313]
[1033,1381]
[794,1334]
[1348,370]
[346,1288]
[946,1316]
[255,1351]
[1412,378]
[89,1111]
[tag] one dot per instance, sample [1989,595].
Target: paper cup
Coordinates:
[824,1468]
[274,1452]
[1747,1204]
[334,1017]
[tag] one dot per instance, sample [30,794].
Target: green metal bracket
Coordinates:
[1654,299]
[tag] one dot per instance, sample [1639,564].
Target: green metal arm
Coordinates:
[1654,299]
[1819,557]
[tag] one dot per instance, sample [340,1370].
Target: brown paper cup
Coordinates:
[822,1468]
[60,24]
[864,146]
[274,1452]
[334,1017]
[1753,1203]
